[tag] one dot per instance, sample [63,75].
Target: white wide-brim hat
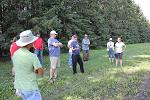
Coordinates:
[26,37]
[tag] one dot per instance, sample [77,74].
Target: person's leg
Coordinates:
[84,54]
[109,55]
[41,56]
[52,67]
[112,60]
[116,55]
[36,52]
[70,60]
[74,62]
[51,73]
[55,74]
[87,54]
[120,56]
[112,55]
[121,62]
[116,62]
[31,95]
[81,64]
[57,65]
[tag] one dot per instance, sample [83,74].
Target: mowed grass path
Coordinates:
[101,80]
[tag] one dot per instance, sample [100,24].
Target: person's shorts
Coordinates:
[31,95]
[118,55]
[111,53]
[54,62]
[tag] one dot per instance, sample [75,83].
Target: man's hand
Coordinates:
[73,49]
[58,44]
[40,71]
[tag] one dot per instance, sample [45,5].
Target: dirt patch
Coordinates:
[143,90]
[144,87]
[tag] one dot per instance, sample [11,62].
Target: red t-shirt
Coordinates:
[38,44]
[13,48]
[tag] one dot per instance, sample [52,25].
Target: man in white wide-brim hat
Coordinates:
[27,65]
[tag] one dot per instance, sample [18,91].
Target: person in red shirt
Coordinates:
[13,49]
[38,46]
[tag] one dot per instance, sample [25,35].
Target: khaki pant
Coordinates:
[54,63]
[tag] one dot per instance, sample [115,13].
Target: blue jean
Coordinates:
[39,54]
[111,53]
[70,59]
[31,95]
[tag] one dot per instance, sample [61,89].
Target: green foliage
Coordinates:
[23,15]
[99,18]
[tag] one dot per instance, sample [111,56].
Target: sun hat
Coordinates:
[53,32]
[110,39]
[26,37]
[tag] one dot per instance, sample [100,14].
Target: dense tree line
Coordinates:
[101,19]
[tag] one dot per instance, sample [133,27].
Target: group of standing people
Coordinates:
[26,64]
[74,52]
[115,50]
[85,49]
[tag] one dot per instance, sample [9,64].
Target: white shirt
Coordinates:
[119,47]
[69,42]
[85,44]
[110,45]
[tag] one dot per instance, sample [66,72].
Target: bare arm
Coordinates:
[59,44]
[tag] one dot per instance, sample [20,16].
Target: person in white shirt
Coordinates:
[119,48]
[70,52]
[110,49]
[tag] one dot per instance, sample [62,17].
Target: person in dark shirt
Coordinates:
[76,58]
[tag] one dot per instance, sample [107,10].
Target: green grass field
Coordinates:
[101,80]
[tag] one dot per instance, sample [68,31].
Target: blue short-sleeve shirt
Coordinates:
[75,44]
[53,51]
